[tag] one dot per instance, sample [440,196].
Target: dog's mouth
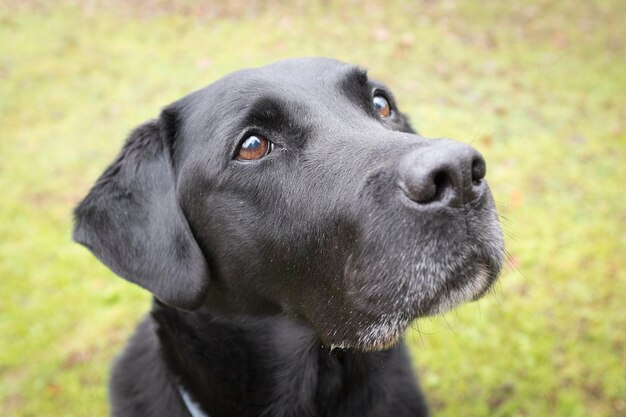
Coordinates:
[381,330]
[472,288]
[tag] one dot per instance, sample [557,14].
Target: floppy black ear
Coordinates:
[132,222]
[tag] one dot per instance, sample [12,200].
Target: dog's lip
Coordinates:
[472,288]
[488,278]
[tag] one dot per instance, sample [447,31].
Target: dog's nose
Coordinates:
[444,172]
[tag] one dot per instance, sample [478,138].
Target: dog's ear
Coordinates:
[131,219]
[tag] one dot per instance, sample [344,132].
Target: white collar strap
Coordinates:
[192,406]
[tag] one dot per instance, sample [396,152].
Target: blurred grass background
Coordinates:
[538,86]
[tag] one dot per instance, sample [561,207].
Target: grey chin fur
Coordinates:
[432,284]
[378,336]
[388,330]
[471,290]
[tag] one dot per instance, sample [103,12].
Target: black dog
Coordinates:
[290,225]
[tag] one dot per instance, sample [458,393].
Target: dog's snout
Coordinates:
[444,172]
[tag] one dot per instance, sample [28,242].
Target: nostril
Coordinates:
[443,183]
[479,169]
[429,188]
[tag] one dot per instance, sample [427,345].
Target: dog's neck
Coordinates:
[219,361]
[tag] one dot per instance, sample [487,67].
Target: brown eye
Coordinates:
[254,147]
[382,106]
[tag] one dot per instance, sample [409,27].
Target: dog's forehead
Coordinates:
[287,78]
[303,72]
[301,82]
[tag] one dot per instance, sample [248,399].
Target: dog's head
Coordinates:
[298,187]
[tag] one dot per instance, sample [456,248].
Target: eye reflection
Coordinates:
[253,147]
[382,106]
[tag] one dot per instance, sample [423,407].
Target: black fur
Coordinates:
[282,286]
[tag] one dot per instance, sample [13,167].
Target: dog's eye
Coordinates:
[254,147]
[382,106]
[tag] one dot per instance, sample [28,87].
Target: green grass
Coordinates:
[539,88]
